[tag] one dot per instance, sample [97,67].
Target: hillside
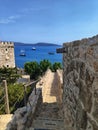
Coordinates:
[35,44]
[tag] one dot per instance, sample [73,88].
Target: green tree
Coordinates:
[56,66]
[16,94]
[16,97]
[33,69]
[44,65]
[10,74]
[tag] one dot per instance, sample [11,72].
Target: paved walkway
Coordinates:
[51,91]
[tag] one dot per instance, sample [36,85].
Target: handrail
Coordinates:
[3,97]
[31,84]
[25,87]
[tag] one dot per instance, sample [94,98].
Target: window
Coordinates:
[7,65]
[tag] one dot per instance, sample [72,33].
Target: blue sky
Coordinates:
[54,21]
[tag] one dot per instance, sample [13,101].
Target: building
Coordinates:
[7,54]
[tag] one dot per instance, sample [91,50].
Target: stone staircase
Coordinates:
[49,115]
[48,123]
[4,120]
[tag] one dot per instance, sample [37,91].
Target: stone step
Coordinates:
[4,120]
[48,123]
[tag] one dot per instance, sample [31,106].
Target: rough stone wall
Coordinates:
[80,95]
[60,84]
[7,54]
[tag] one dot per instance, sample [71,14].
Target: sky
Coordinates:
[52,21]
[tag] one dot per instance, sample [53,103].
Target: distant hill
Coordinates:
[45,44]
[36,44]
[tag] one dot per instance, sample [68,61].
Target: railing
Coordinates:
[5,99]
[32,85]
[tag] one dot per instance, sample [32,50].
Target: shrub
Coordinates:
[10,74]
[33,69]
[56,66]
[44,65]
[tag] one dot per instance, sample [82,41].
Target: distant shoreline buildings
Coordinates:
[7,57]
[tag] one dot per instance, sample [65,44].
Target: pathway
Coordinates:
[49,115]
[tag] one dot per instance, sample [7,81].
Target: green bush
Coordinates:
[2,109]
[56,66]
[10,74]
[33,69]
[15,95]
[44,65]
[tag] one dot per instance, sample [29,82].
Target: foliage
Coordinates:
[10,74]
[33,69]
[44,65]
[16,93]
[16,97]
[56,66]
[2,110]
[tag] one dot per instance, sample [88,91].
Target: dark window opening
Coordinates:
[7,65]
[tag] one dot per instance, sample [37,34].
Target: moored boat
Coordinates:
[22,53]
[33,48]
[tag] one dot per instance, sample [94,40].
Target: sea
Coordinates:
[41,53]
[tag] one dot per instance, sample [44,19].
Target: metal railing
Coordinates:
[32,85]
[5,99]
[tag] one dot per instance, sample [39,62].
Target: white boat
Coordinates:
[33,48]
[22,53]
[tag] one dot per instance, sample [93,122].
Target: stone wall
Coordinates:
[7,58]
[60,84]
[80,95]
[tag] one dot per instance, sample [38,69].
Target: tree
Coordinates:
[10,74]
[33,69]
[56,66]
[16,94]
[44,65]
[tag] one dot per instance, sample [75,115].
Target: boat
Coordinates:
[51,53]
[22,53]
[33,48]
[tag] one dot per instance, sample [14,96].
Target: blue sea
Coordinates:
[39,54]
